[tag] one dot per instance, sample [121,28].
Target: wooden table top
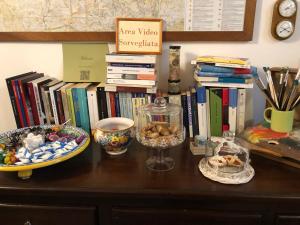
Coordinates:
[94,173]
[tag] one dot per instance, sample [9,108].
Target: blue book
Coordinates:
[118,113]
[202,111]
[213,74]
[214,69]
[239,80]
[76,107]
[83,107]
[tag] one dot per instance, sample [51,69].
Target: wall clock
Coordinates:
[284,19]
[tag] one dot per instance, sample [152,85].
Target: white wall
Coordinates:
[18,58]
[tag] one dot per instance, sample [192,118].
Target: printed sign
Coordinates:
[139,35]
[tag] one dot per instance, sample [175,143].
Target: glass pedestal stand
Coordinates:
[160,160]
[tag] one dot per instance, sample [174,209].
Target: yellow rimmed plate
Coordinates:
[25,171]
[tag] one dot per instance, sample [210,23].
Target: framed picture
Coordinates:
[142,36]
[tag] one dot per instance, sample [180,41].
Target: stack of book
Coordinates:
[224,72]
[131,81]
[221,94]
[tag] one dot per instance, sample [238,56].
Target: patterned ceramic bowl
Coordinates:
[114,134]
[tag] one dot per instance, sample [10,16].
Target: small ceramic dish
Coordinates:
[114,134]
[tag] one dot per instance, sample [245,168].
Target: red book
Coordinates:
[33,104]
[60,109]
[242,71]
[131,89]
[225,108]
[112,104]
[18,103]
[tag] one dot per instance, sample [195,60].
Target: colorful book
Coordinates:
[130,70]
[208,113]
[71,105]
[229,85]
[243,79]
[131,88]
[190,115]
[225,108]
[12,96]
[38,97]
[241,110]
[134,82]
[215,98]
[217,69]
[93,106]
[222,59]
[83,106]
[75,97]
[202,112]
[135,65]
[131,76]
[64,99]
[53,99]
[194,111]
[102,105]
[130,58]
[233,93]
[59,106]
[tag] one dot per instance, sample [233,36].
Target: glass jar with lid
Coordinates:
[160,127]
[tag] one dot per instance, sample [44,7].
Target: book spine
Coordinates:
[202,117]
[18,103]
[216,112]
[194,112]
[90,99]
[225,105]
[130,70]
[71,106]
[60,108]
[83,109]
[135,65]
[135,107]
[76,106]
[213,69]
[134,82]
[95,108]
[208,113]
[39,104]
[145,59]
[238,80]
[101,96]
[129,104]
[241,108]
[22,107]
[229,85]
[108,104]
[13,103]
[213,74]
[185,111]
[121,104]
[190,118]
[65,104]
[118,88]
[233,65]
[54,106]
[117,103]
[26,105]
[112,104]
[232,109]
[32,99]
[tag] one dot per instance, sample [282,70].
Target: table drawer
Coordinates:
[46,215]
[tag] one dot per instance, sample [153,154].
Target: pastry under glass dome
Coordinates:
[160,127]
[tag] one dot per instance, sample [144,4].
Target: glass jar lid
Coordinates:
[161,107]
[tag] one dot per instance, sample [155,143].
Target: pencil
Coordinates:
[296,103]
[289,98]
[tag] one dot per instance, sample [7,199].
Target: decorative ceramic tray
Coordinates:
[29,148]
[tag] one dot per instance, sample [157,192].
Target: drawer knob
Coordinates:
[27,223]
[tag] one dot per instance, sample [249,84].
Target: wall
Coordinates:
[18,58]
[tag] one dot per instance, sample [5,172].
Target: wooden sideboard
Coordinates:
[94,188]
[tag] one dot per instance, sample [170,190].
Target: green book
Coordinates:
[83,107]
[84,62]
[71,106]
[215,98]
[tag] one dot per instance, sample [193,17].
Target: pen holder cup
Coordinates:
[280,121]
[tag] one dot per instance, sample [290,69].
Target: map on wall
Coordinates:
[99,15]
[85,15]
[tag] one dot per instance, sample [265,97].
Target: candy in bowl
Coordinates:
[114,134]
